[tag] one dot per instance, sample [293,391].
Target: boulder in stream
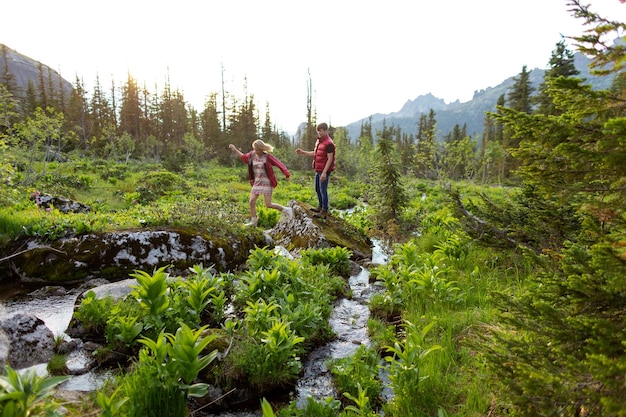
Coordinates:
[305,231]
[25,340]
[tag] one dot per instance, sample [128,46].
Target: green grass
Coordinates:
[216,199]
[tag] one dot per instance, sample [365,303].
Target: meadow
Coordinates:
[426,324]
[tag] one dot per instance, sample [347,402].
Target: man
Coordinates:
[323,163]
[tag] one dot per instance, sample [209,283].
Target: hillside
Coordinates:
[24,69]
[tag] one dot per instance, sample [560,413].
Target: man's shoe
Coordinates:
[253,222]
[321,215]
[316,209]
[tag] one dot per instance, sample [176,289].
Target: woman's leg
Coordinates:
[253,198]
[282,209]
[269,204]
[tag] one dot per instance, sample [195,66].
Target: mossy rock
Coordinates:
[306,231]
[115,255]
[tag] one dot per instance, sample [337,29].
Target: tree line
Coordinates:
[130,121]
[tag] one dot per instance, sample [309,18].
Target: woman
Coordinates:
[261,174]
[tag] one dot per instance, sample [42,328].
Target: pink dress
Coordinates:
[262,183]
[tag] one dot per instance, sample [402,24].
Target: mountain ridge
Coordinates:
[24,69]
[470,113]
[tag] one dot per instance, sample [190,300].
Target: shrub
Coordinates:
[358,372]
[93,313]
[337,258]
[405,371]
[28,394]
[157,184]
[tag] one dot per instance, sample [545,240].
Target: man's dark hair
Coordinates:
[322,126]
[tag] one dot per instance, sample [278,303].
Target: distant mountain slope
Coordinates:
[24,69]
[471,113]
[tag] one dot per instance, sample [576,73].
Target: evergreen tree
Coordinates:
[100,120]
[365,134]
[561,65]
[348,164]
[211,127]
[53,100]
[150,123]
[42,96]
[130,109]
[389,196]
[9,114]
[406,148]
[8,78]
[561,348]
[30,103]
[519,100]
[426,164]
[173,121]
[362,160]
[520,93]
[243,127]
[267,131]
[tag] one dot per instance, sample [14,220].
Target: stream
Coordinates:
[348,320]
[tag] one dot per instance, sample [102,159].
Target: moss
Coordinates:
[114,256]
[340,233]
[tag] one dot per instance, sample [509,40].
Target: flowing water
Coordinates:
[54,306]
[348,320]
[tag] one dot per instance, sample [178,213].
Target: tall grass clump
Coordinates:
[162,380]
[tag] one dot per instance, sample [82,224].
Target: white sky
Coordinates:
[364,57]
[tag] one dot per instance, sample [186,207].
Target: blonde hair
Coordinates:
[262,146]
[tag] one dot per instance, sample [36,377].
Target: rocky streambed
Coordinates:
[42,316]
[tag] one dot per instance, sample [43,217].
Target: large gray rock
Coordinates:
[305,231]
[116,290]
[115,255]
[25,341]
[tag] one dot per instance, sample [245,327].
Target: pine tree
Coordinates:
[9,114]
[363,159]
[76,114]
[130,109]
[389,195]
[42,96]
[520,93]
[243,127]
[519,100]
[101,120]
[406,148]
[561,348]
[426,158]
[8,78]
[211,125]
[561,65]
